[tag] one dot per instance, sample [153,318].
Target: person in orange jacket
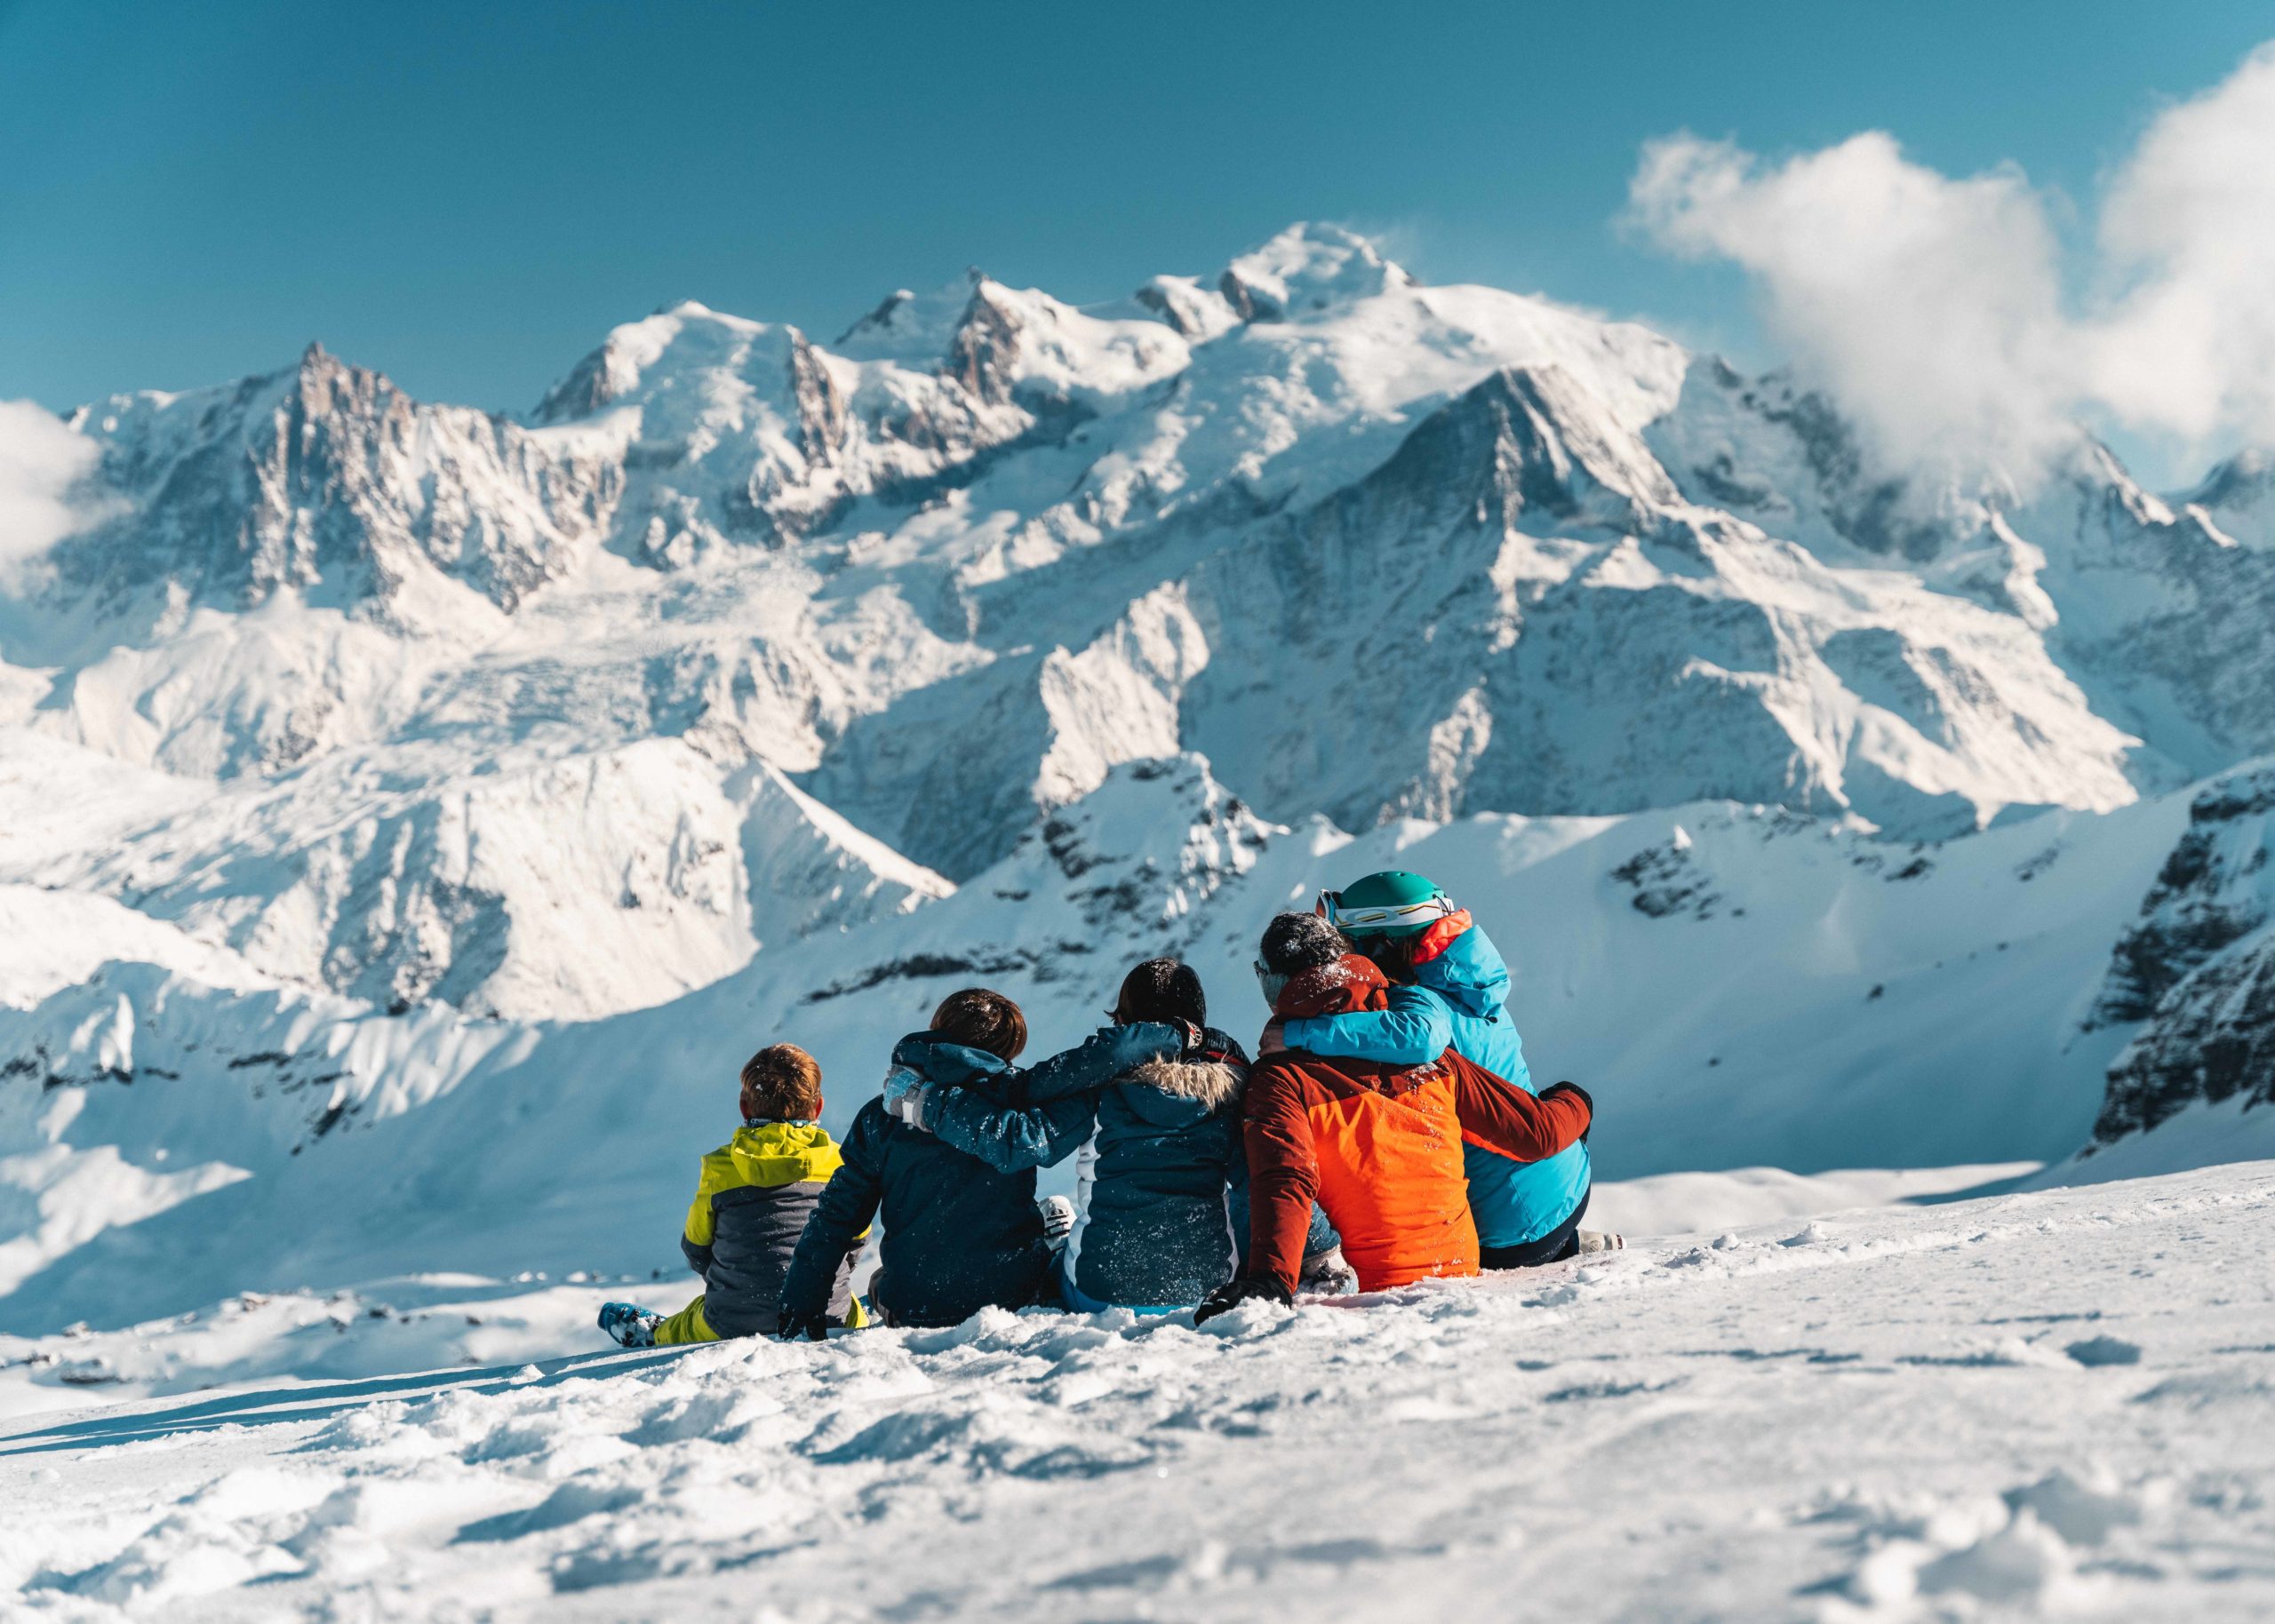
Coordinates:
[1378,1145]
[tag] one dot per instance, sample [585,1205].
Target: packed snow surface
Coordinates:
[2050,1403]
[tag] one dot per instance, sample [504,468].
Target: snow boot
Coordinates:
[1058,1220]
[1325,1274]
[630,1324]
[1597,1240]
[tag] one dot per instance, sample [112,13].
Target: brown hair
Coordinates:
[784,1082]
[979,1019]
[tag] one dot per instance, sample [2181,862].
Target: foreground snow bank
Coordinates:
[2051,1401]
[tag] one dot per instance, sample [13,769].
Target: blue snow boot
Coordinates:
[630,1324]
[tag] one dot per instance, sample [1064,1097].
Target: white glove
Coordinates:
[908,1105]
[901,1084]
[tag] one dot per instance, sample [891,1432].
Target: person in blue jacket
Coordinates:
[1158,1221]
[1448,985]
[959,1234]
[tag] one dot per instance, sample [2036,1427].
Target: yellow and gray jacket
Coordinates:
[756,1192]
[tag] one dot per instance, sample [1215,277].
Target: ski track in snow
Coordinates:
[2057,1402]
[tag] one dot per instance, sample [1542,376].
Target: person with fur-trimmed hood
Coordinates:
[1150,1229]
[1377,1144]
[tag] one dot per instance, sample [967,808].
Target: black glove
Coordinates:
[792,1327]
[1585,1098]
[1231,1294]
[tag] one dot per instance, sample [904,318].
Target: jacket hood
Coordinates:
[957,1065]
[1468,972]
[1351,983]
[769,1154]
[1206,1082]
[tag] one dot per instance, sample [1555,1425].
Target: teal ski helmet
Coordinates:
[1392,902]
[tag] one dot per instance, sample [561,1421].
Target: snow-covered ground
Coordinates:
[2054,1402]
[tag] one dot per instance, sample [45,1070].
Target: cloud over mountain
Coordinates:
[1938,309]
[41,463]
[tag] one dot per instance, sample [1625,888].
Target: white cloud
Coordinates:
[41,463]
[2191,345]
[1932,308]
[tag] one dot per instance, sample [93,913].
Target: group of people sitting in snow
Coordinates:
[1388,1129]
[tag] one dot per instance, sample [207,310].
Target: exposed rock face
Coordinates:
[985,350]
[823,417]
[2199,966]
[327,478]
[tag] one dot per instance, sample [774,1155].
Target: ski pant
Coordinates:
[687,1326]
[1559,1243]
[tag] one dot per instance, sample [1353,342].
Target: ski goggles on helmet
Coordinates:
[1382,921]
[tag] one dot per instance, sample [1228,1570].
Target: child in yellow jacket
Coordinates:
[751,1205]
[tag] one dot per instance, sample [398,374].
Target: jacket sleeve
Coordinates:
[1010,1138]
[1282,1174]
[1525,1128]
[1098,1059]
[695,1239]
[1413,1031]
[848,1204]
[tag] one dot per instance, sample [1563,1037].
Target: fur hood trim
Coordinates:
[1207,1083]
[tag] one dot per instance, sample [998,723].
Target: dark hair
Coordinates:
[785,1081]
[1162,990]
[1294,942]
[979,1019]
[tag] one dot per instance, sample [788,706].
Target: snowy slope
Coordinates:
[1986,1410]
[1740,988]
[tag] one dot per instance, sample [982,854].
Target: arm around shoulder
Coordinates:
[1413,1031]
[1009,1139]
[1100,1058]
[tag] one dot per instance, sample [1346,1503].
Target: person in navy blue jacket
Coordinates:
[961,1234]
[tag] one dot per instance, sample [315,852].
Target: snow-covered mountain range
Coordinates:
[424,809]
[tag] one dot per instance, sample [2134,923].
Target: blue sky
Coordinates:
[469,197]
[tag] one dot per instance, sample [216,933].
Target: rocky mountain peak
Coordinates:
[983,353]
[1527,439]
[1308,268]
[2238,498]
